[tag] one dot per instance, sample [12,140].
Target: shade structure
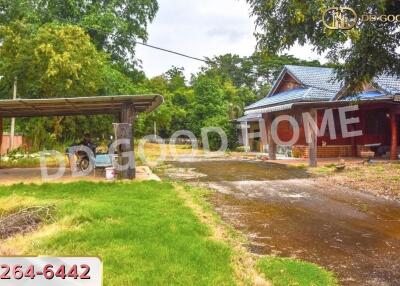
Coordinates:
[78,105]
[126,107]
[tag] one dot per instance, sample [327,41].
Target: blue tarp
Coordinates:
[103,161]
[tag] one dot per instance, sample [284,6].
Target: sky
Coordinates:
[201,29]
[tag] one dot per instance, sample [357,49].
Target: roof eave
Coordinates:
[284,103]
[78,105]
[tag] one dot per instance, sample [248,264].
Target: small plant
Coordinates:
[16,154]
[240,149]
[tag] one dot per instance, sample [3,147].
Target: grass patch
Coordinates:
[242,261]
[29,162]
[144,233]
[289,272]
[382,178]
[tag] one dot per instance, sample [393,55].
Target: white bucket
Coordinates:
[110,174]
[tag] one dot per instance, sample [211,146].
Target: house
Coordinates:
[372,117]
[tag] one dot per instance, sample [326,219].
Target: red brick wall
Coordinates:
[333,151]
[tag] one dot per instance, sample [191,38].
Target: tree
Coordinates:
[256,72]
[113,25]
[176,78]
[367,50]
[58,61]
[241,71]
[51,61]
[210,108]
[172,115]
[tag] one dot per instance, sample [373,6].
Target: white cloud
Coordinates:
[201,29]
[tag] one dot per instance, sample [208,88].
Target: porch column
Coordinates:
[312,146]
[245,136]
[394,155]
[125,131]
[271,144]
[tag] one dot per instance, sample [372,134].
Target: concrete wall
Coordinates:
[19,141]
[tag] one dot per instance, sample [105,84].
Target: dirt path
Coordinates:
[285,212]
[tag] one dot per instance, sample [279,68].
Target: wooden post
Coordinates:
[312,146]
[271,143]
[125,131]
[394,154]
[246,143]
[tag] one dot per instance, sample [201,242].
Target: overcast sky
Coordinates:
[201,29]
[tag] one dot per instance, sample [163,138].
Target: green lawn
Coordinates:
[289,272]
[146,233]
[143,232]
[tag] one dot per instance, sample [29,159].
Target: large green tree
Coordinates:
[210,108]
[256,72]
[369,49]
[56,60]
[172,115]
[114,25]
[50,61]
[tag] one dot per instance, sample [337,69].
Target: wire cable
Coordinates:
[137,42]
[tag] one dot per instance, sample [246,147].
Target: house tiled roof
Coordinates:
[317,77]
[368,95]
[293,95]
[388,83]
[286,96]
[319,84]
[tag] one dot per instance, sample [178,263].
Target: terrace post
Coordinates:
[246,144]
[394,155]
[125,131]
[312,146]
[271,143]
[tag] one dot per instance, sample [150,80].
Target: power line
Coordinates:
[138,42]
[172,52]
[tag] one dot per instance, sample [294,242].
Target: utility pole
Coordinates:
[12,131]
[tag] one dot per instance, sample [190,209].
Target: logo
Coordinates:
[345,18]
[340,18]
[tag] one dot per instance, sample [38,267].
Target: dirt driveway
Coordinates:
[286,212]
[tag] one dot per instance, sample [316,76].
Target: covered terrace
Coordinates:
[126,107]
[367,109]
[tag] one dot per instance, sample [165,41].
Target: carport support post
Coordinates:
[127,116]
[312,146]
[271,143]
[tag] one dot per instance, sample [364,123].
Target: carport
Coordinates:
[127,107]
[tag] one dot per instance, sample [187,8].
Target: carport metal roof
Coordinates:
[78,105]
